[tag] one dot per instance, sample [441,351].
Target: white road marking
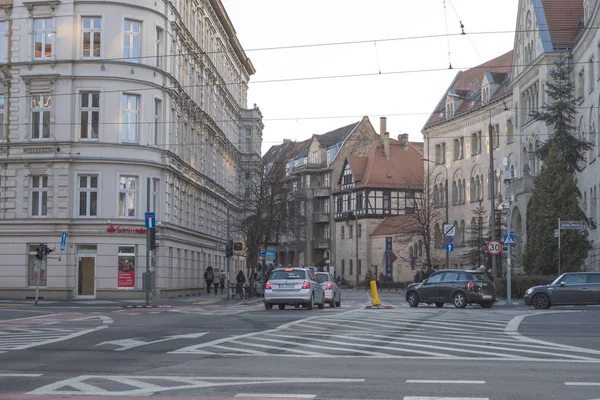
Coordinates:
[20,375]
[582,383]
[127,344]
[105,319]
[54,336]
[140,386]
[446,381]
[281,396]
[444,398]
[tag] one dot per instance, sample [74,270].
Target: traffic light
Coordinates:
[229,249]
[152,233]
[42,251]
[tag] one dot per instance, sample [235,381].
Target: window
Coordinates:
[315,157]
[476,143]
[581,84]
[40,116]
[88,195]
[3,41]
[129,105]
[155,201]
[43,33]
[509,132]
[200,91]
[157,122]
[326,232]
[496,136]
[131,42]
[33,267]
[350,232]
[342,233]
[159,46]
[326,206]
[387,201]
[343,268]
[3,129]
[436,277]
[327,180]
[440,153]
[92,37]
[359,231]
[351,269]
[39,195]
[458,149]
[90,115]
[359,201]
[127,192]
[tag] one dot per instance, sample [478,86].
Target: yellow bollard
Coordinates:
[374,294]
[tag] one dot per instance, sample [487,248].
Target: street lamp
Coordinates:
[446,200]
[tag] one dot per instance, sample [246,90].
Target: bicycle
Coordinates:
[230,293]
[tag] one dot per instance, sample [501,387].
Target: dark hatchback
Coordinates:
[571,288]
[455,286]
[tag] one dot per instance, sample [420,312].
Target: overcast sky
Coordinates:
[298,109]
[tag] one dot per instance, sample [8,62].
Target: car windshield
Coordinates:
[481,276]
[557,280]
[322,278]
[294,274]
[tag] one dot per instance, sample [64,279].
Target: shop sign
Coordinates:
[129,230]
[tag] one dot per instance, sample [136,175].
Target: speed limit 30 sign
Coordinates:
[494,247]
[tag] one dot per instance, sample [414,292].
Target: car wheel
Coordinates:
[282,306]
[268,306]
[339,302]
[540,301]
[460,300]
[439,305]
[413,299]
[322,304]
[332,303]
[487,305]
[311,304]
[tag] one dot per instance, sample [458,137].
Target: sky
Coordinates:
[404,71]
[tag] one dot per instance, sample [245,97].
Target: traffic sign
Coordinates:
[509,239]
[449,247]
[494,247]
[449,239]
[63,241]
[150,220]
[449,230]
[263,252]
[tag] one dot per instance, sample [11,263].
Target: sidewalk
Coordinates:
[137,303]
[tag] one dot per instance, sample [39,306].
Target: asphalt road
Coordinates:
[243,351]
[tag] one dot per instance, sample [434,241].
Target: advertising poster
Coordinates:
[389,261]
[126,277]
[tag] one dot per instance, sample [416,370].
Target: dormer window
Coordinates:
[449,110]
[486,94]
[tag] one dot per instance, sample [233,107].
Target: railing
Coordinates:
[322,192]
[522,185]
[321,217]
[320,244]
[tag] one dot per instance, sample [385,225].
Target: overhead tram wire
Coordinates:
[447,35]
[463,33]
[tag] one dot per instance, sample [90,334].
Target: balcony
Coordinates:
[321,244]
[320,217]
[322,192]
[523,185]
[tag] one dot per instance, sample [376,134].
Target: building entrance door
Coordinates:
[86,276]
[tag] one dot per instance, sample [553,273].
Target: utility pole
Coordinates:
[558,228]
[508,232]
[492,180]
[148,245]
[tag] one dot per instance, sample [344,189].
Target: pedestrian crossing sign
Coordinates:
[509,239]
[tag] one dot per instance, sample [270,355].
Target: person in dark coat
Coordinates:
[209,277]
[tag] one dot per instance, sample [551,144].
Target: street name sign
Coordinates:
[571,225]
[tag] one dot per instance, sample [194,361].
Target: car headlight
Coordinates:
[529,291]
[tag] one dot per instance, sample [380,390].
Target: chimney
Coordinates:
[287,140]
[382,126]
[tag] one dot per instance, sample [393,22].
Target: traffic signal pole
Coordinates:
[37,284]
[148,244]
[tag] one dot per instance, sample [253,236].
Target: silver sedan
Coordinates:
[293,286]
[333,293]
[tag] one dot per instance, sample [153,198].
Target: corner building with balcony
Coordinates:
[97,100]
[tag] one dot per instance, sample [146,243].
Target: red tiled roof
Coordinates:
[397,225]
[468,83]
[404,166]
[563,18]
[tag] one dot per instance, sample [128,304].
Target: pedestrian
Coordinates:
[209,277]
[418,276]
[217,280]
[241,279]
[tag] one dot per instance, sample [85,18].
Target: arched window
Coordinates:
[460,191]
[473,191]
[461,232]
[454,193]
[436,196]
[464,191]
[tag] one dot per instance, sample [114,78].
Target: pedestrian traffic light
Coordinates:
[152,233]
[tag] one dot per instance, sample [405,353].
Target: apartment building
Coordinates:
[102,103]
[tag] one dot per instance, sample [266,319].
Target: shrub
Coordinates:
[520,284]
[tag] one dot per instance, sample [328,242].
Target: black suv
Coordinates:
[455,286]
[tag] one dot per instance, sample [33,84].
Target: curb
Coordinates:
[146,306]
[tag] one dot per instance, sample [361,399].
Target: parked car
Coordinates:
[333,293]
[455,286]
[293,286]
[571,288]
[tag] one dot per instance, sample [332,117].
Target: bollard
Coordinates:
[376,301]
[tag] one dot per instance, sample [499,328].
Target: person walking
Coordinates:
[217,280]
[209,276]
[241,280]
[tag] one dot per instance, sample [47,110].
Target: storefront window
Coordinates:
[33,267]
[126,272]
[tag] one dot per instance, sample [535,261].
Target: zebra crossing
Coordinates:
[394,334]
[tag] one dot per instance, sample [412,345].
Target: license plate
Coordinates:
[486,296]
[286,286]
